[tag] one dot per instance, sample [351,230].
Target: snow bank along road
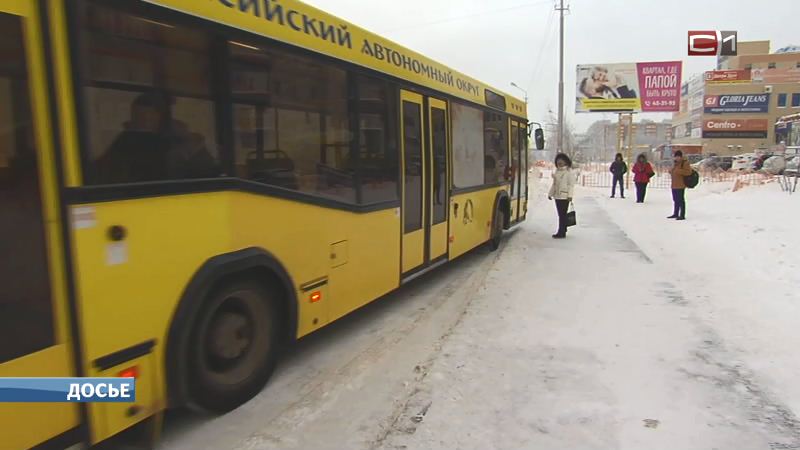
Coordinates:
[635,332]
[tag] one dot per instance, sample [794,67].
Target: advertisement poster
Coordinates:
[727,76]
[629,87]
[736,103]
[735,128]
[789,75]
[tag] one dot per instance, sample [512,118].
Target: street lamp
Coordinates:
[523,91]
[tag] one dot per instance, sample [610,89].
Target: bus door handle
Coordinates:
[455,210]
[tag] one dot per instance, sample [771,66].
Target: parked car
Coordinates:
[758,164]
[774,165]
[743,162]
[694,158]
[792,166]
[714,163]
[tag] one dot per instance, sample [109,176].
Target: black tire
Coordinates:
[497,229]
[233,346]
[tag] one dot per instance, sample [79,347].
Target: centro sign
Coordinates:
[735,128]
[726,125]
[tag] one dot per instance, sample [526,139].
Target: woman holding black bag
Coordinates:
[642,172]
[562,190]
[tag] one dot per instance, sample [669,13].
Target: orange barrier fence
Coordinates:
[597,175]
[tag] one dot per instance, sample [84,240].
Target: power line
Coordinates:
[545,43]
[468,16]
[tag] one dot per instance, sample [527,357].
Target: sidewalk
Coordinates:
[587,343]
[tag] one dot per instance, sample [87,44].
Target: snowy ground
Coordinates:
[635,332]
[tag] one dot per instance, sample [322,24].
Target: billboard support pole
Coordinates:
[630,150]
[620,133]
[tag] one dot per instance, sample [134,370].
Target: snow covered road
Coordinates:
[635,332]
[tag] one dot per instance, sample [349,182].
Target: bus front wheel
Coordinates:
[234,346]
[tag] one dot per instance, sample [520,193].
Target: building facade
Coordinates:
[733,109]
[601,140]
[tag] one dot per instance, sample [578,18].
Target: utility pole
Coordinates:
[561,10]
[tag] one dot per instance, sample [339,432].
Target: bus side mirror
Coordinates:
[538,137]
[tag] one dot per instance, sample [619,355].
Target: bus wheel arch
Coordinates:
[501,216]
[253,265]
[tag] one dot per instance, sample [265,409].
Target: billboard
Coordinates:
[786,75]
[628,87]
[727,76]
[735,128]
[736,103]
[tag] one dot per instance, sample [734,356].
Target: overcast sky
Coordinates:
[504,41]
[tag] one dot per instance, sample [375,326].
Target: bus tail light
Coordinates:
[315,297]
[130,372]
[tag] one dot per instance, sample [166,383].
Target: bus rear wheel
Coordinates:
[497,229]
[233,347]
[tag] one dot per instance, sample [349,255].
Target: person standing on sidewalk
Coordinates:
[561,191]
[618,169]
[679,171]
[642,172]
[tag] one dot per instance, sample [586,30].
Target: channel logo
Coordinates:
[712,43]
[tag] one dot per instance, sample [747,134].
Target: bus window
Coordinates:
[412,144]
[378,166]
[439,150]
[291,122]
[150,115]
[495,147]
[26,323]
[468,158]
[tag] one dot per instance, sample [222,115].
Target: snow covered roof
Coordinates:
[789,49]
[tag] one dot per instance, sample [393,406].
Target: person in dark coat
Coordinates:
[642,172]
[618,169]
[139,152]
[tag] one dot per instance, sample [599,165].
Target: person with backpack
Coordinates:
[642,172]
[679,172]
[618,169]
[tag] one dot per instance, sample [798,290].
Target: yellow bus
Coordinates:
[186,187]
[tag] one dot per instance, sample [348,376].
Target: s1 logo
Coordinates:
[712,43]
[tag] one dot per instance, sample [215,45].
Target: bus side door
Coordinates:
[425,141]
[34,326]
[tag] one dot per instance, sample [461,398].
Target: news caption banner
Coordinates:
[67,390]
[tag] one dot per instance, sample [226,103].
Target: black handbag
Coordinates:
[572,218]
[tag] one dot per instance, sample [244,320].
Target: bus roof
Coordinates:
[295,23]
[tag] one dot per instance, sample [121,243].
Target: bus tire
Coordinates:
[497,229]
[233,346]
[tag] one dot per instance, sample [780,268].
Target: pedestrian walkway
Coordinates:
[586,343]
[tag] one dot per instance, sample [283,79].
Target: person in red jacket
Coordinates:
[642,172]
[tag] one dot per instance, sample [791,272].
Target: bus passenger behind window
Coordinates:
[138,153]
[153,147]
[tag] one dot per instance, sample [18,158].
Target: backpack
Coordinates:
[692,180]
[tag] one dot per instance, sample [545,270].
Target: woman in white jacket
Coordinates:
[561,190]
